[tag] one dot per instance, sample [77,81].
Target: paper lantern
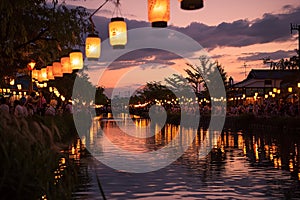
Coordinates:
[191,4]
[31,65]
[117,33]
[50,72]
[40,78]
[44,74]
[35,74]
[76,60]
[159,12]
[93,46]
[66,65]
[57,69]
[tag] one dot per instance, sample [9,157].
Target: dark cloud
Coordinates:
[271,27]
[272,55]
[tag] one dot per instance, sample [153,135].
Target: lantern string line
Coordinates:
[117,9]
[90,18]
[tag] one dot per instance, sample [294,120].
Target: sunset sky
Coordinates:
[233,32]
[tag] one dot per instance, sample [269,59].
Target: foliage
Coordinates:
[152,91]
[38,29]
[30,155]
[205,73]
[100,97]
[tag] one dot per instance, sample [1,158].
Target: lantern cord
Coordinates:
[117,9]
[90,18]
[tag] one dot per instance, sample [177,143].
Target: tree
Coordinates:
[205,73]
[40,30]
[154,90]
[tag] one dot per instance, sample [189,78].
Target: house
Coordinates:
[264,83]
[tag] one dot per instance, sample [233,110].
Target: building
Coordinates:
[261,84]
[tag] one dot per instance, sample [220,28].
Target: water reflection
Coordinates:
[241,165]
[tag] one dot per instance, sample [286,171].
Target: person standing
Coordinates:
[4,108]
[41,104]
[51,110]
[18,109]
[31,103]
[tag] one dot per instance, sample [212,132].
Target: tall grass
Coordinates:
[31,158]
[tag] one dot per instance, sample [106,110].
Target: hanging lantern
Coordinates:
[35,74]
[66,65]
[76,60]
[44,74]
[117,33]
[159,12]
[191,4]
[92,46]
[40,78]
[50,72]
[57,69]
[31,65]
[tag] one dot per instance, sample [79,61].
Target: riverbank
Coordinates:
[34,163]
[244,121]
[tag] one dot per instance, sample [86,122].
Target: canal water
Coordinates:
[242,165]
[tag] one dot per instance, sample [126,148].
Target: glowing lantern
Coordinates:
[159,12]
[35,74]
[19,86]
[92,46]
[31,65]
[44,74]
[117,33]
[66,65]
[57,69]
[191,4]
[12,82]
[50,72]
[40,78]
[275,90]
[76,60]
[290,89]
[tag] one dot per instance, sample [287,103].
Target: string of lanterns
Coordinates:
[158,16]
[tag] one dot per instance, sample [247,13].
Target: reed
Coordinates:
[33,163]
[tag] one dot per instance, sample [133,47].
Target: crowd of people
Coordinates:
[33,104]
[266,109]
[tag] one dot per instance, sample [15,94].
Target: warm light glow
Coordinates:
[191,4]
[290,89]
[275,90]
[50,72]
[12,82]
[35,74]
[298,85]
[92,46]
[270,93]
[31,65]
[19,86]
[57,69]
[44,74]
[50,89]
[40,78]
[117,32]
[76,60]
[159,12]
[66,65]
[278,91]
[45,84]
[266,96]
